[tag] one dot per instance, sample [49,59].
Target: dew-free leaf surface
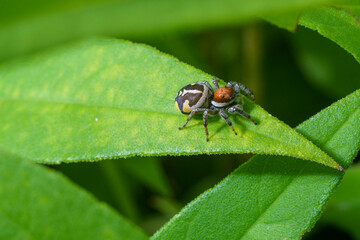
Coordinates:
[340,23]
[46,23]
[102,99]
[343,209]
[326,65]
[272,197]
[38,203]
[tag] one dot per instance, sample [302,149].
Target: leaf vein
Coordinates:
[241,235]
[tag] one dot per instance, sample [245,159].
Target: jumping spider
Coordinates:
[201,97]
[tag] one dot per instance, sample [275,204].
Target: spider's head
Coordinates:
[224,95]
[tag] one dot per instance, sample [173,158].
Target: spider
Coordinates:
[201,97]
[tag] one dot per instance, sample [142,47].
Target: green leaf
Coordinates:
[48,23]
[103,99]
[326,65]
[340,24]
[288,20]
[119,185]
[329,69]
[343,209]
[149,172]
[37,203]
[272,197]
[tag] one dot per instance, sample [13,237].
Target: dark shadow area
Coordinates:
[327,232]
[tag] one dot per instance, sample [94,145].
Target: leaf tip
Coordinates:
[340,168]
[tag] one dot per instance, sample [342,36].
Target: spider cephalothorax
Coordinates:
[200,97]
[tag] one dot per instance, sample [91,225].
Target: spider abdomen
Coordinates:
[193,96]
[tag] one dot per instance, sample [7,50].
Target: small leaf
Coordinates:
[272,197]
[103,99]
[326,65]
[343,209]
[37,203]
[340,24]
[48,23]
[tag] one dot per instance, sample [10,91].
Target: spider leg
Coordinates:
[226,118]
[238,109]
[215,82]
[192,113]
[208,85]
[205,116]
[241,87]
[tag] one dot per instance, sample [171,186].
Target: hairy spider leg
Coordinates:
[207,84]
[192,113]
[215,82]
[238,109]
[226,118]
[205,116]
[240,87]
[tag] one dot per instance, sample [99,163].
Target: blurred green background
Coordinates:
[293,76]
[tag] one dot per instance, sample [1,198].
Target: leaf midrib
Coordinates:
[149,111]
[125,109]
[272,203]
[347,119]
[83,104]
